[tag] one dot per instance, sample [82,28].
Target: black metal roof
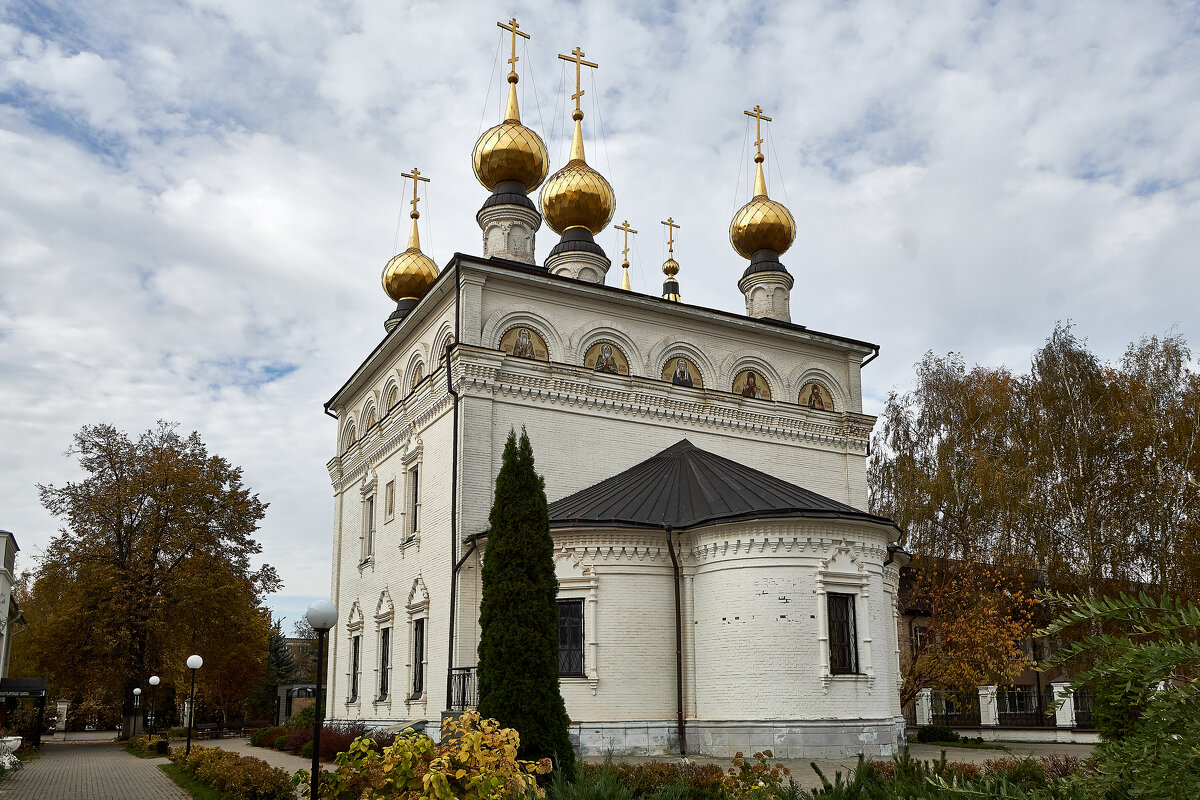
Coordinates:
[686,487]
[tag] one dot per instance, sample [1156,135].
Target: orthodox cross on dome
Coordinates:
[577,57]
[513,27]
[671,226]
[624,226]
[758,121]
[416,178]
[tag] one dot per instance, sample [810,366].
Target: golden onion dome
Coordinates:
[510,151]
[409,275]
[670,268]
[762,224]
[577,196]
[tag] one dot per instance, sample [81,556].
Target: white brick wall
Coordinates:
[749,655]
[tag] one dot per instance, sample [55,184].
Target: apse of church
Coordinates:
[693,457]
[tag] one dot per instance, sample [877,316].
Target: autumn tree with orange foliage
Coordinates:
[973,619]
[153,563]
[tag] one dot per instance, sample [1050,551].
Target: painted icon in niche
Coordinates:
[815,396]
[418,373]
[682,372]
[606,357]
[524,342]
[749,383]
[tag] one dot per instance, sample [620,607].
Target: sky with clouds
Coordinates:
[197,198]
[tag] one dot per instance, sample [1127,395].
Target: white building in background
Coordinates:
[11,620]
[720,587]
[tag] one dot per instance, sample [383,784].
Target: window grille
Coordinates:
[385,648]
[570,638]
[418,669]
[355,665]
[843,647]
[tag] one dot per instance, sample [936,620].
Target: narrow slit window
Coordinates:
[385,650]
[355,665]
[418,668]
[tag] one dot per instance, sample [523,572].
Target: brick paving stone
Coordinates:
[89,771]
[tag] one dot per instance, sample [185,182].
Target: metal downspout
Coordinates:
[678,646]
[454,563]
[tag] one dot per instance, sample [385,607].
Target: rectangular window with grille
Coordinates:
[368,527]
[843,637]
[414,502]
[570,638]
[418,664]
[355,665]
[385,658]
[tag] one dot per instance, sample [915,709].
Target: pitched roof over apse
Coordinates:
[686,487]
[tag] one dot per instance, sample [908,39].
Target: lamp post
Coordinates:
[137,705]
[194,663]
[153,703]
[322,615]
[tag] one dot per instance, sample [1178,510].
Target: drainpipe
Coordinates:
[454,563]
[678,646]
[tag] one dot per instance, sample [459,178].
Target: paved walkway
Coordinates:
[89,771]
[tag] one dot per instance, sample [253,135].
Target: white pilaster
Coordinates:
[924,703]
[989,711]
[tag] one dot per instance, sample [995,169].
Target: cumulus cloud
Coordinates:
[198,197]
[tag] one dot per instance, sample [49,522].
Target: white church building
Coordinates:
[720,586]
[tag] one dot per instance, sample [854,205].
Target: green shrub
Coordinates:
[598,782]
[304,718]
[237,777]
[258,738]
[937,733]
[651,776]
[281,742]
[475,760]
[144,744]
[306,749]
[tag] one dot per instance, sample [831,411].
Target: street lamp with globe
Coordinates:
[194,663]
[322,615]
[153,704]
[137,707]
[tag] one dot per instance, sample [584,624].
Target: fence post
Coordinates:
[989,712]
[924,704]
[1064,714]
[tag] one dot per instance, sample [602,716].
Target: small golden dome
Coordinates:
[510,152]
[762,224]
[577,196]
[409,275]
[671,267]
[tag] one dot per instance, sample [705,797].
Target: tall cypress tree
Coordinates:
[518,614]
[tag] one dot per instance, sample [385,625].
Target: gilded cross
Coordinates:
[416,177]
[671,226]
[758,120]
[512,27]
[577,56]
[624,226]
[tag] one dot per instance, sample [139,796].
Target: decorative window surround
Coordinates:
[385,612]
[389,501]
[577,580]
[418,659]
[843,573]
[411,515]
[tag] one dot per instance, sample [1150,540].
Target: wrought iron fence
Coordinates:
[910,714]
[463,689]
[1083,708]
[957,710]
[1023,707]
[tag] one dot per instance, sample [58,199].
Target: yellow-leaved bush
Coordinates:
[237,777]
[475,760]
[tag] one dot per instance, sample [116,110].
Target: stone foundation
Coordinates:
[876,738]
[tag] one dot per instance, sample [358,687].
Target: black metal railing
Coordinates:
[463,689]
[910,714]
[1083,708]
[1022,707]
[957,711]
